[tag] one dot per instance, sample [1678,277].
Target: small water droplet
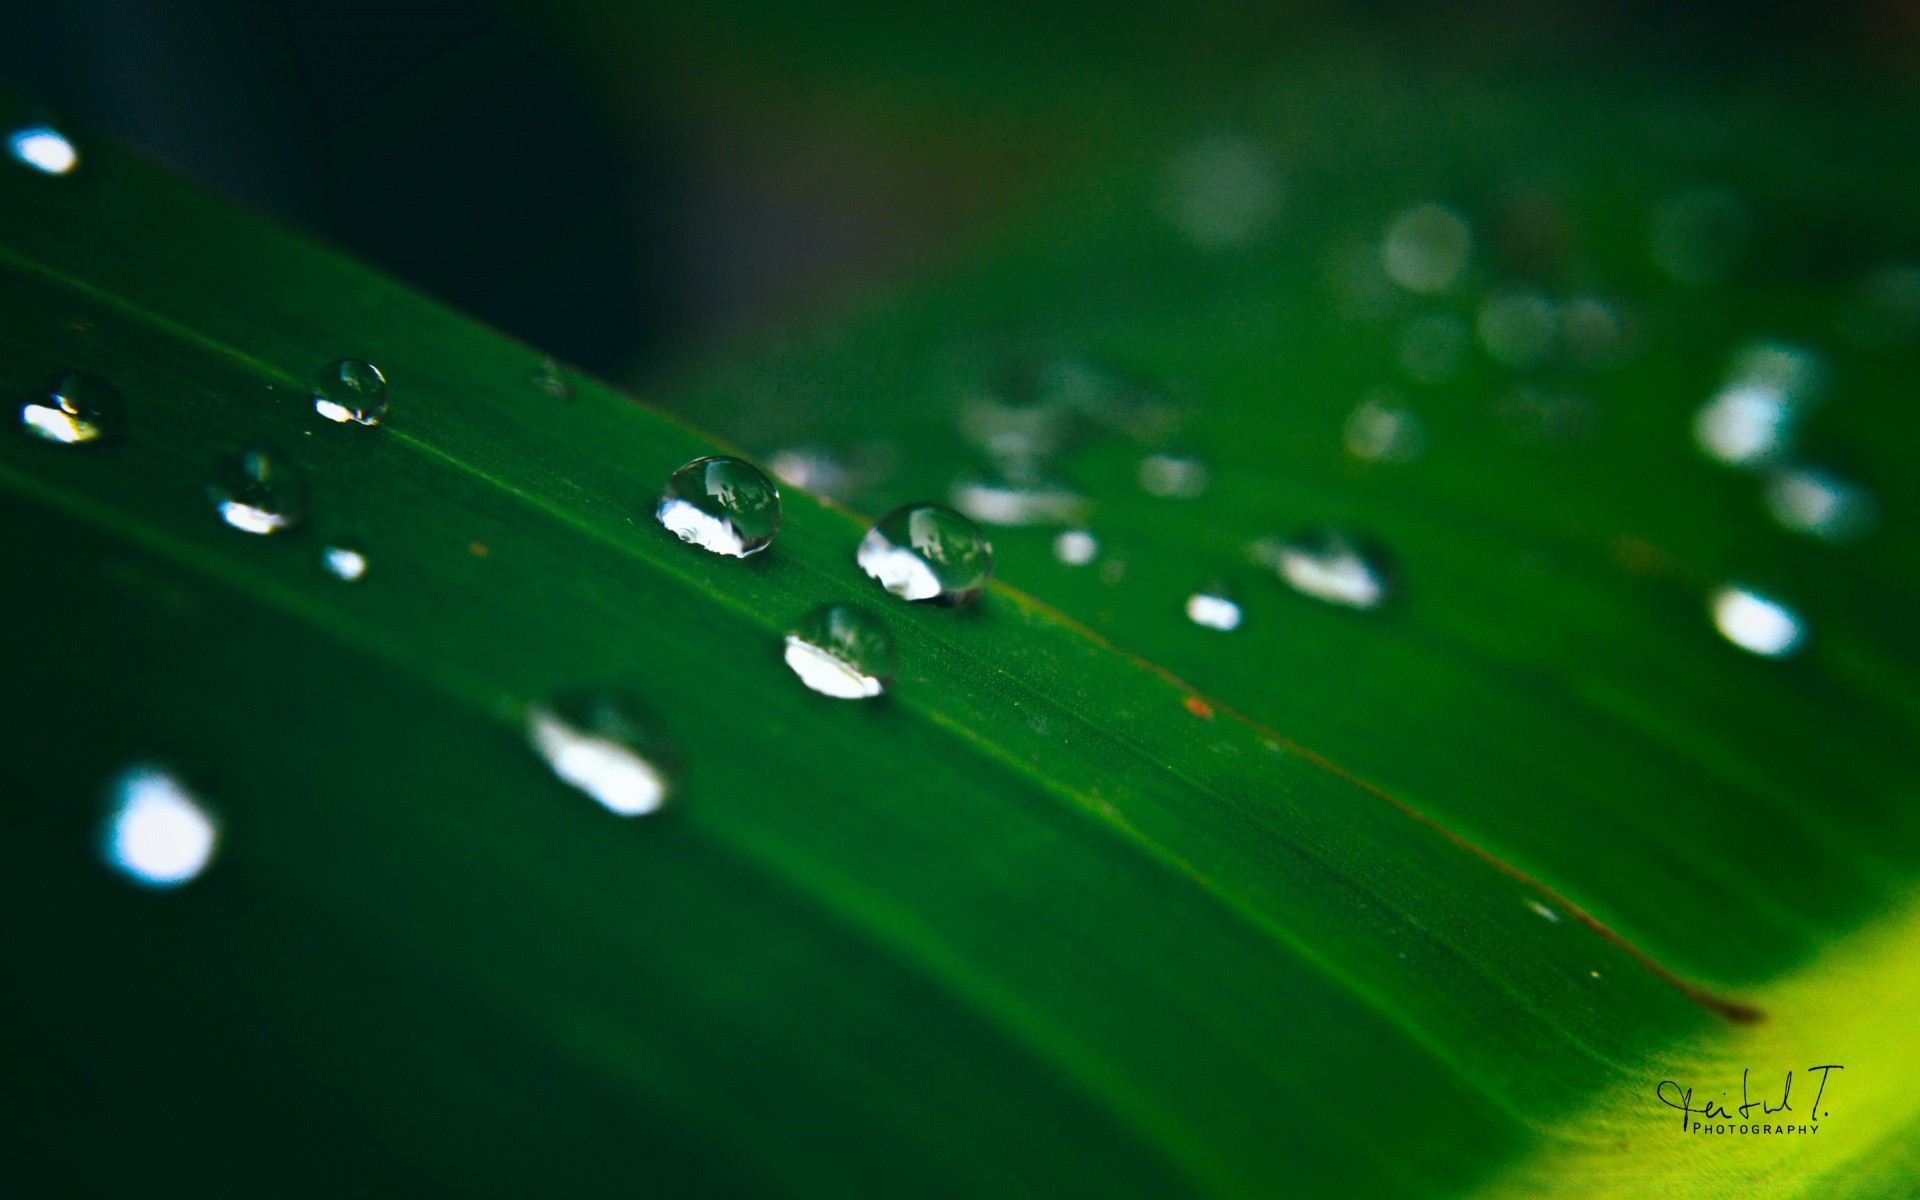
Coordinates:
[1756,623]
[1330,565]
[1212,608]
[74,408]
[1821,504]
[1076,547]
[1699,234]
[1383,429]
[1543,911]
[258,490]
[157,832]
[1426,248]
[1174,476]
[842,651]
[351,391]
[344,563]
[927,552]
[721,504]
[998,502]
[552,381]
[1518,328]
[1433,347]
[1225,190]
[600,743]
[43,148]
[1750,420]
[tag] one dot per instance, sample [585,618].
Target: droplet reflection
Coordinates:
[599,743]
[43,148]
[1757,624]
[157,834]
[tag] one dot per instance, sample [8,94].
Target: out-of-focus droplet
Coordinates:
[157,833]
[998,502]
[73,409]
[1384,429]
[1594,333]
[1756,623]
[1076,547]
[602,744]
[258,490]
[1433,347]
[1750,420]
[350,391]
[1699,235]
[1821,504]
[344,563]
[1426,248]
[1213,608]
[1174,476]
[1330,565]
[927,553]
[1549,915]
[723,505]
[43,148]
[1518,329]
[1226,190]
[842,651]
[552,380]
[813,470]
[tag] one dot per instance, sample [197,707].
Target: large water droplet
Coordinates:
[1756,623]
[258,490]
[843,652]
[725,505]
[344,563]
[927,552]
[75,408]
[1330,565]
[1426,248]
[1821,504]
[43,148]
[157,832]
[1383,429]
[600,743]
[351,391]
[1213,608]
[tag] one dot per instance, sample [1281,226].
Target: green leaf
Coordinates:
[1094,902]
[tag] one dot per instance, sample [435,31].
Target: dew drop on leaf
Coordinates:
[1820,504]
[344,563]
[351,392]
[1174,476]
[603,745]
[1003,502]
[1330,565]
[1426,248]
[1076,547]
[157,832]
[927,553]
[842,651]
[720,504]
[1756,623]
[74,408]
[258,490]
[1213,608]
[1383,429]
[44,149]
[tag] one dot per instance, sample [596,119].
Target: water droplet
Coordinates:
[1756,623]
[1821,504]
[993,502]
[1698,235]
[1542,911]
[1750,420]
[1225,190]
[351,391]
[344,563]
[1518,329]
[600,743]
[552,381]
[1426,248]
[843,652]
[1383,429]
[1174,476]
[75,408]
[43,148]
[725,505]
[1211,608]
[258,490]
[1330,565]
[157,832]
[813,470]
[927,552]
[1076,547]
[1433,346]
